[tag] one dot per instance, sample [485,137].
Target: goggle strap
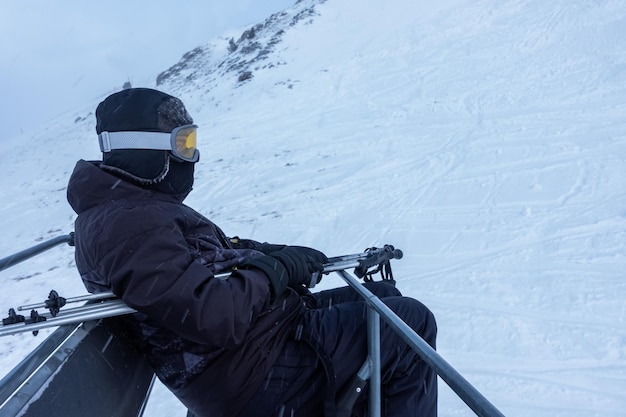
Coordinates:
[134,140]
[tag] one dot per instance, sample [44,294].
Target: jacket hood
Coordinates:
[89,186]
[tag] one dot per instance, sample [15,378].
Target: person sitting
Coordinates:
[254,342]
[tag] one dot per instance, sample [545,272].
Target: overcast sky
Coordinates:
[58,55]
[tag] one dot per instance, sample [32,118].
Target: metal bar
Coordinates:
[470,395]
[344,258]
[373,348]
[340,265]
[35,250]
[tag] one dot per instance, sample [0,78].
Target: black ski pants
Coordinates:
[305,374]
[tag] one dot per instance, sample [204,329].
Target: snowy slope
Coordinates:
[485,139]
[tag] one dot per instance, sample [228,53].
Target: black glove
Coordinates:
[301,263]
[290,266]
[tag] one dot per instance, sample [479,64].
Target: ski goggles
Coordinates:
[181,142]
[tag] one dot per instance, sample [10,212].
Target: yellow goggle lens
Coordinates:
[186,142]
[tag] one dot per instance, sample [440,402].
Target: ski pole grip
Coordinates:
[376,257]
[393,252]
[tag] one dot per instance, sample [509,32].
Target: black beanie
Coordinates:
[146,110]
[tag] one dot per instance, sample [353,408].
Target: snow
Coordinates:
[485,139]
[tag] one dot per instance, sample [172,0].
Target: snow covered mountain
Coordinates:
[485,139]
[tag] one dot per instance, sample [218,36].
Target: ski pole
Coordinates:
[109,308]
[361,262]
[371,256]
[53,296]
[109,305]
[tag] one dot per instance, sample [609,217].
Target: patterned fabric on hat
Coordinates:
[141,109]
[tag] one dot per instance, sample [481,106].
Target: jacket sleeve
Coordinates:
[155,273]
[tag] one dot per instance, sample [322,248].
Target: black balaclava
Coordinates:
[146,110]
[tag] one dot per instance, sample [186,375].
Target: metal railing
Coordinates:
[21,256]
[378,310]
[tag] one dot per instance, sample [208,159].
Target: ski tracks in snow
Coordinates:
[493,161]
[485,139]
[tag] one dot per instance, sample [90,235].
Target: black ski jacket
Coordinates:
[211,340]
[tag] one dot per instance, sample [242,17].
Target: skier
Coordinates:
[255,344]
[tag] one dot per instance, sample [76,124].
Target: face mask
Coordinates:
[178,182]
